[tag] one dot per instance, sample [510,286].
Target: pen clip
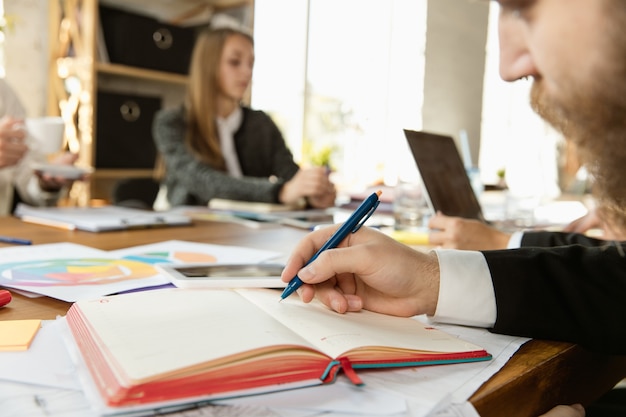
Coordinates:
[367,216]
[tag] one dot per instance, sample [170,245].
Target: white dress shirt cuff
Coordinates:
[515,241]
[466,294]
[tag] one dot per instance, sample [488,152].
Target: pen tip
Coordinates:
[379,192]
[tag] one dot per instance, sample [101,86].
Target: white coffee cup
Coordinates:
[46,134]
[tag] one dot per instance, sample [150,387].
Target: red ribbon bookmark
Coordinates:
[349,371]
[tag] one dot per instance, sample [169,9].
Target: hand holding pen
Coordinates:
[369,270]
[354,222]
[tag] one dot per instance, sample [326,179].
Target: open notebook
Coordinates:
[174,346]
[446,184]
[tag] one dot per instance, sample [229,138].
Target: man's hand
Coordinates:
[465,234]
[368,270]
[575,410]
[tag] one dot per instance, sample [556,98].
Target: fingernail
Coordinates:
[354,304]
[335,305]
[306,272]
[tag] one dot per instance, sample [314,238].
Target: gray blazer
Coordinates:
[265,160]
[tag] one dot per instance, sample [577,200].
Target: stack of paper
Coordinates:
[99,219]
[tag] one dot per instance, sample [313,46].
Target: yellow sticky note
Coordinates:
[18,334]
[411,238]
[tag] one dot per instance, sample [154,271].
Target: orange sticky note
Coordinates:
[18,334]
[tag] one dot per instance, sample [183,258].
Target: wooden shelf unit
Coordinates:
[141,73]
[74,74]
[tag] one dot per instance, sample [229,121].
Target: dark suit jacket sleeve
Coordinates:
[569,293]
[550,239]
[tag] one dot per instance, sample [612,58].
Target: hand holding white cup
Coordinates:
[46,134]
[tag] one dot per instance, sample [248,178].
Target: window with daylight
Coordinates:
[515,139]
[3,25]
[342,79]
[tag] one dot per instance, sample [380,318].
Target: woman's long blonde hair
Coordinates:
[202,91]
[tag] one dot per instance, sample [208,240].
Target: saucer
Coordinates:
[69,172]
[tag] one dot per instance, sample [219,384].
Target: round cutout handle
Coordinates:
[130,111]
[163,38]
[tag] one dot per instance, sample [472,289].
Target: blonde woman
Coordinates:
[214,147]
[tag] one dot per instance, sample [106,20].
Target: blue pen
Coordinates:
[354,222]
[15,240]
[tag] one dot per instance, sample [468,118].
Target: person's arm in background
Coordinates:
[591,220]
[467,234]
[52,183]
[458,233]
[18,158]
[575,410]
[311,183]
[12,141]
[37,188]
[12,149]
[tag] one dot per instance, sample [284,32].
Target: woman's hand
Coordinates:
[311,183]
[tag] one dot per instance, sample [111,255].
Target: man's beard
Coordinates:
[594,118]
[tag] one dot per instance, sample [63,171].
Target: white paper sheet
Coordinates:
[179,251]
[45,363]
[72,272]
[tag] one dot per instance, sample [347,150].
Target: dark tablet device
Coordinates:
[446,184]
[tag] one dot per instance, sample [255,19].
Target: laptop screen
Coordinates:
[446,184]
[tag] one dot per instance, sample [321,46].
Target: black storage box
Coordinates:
[124,131]
[144,42]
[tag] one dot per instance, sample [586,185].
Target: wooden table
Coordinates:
[540,375]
